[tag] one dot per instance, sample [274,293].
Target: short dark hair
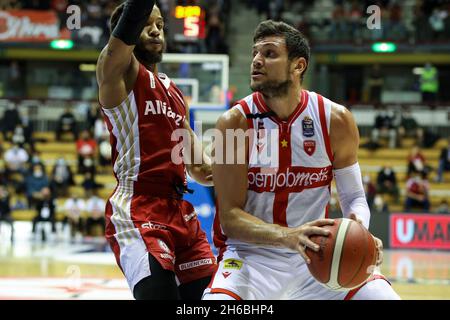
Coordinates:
[296,43]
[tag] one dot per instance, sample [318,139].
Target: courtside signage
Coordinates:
[419,231]
[30,26]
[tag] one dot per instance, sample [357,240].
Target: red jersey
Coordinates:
[141,129]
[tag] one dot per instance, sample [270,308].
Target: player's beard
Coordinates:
[273,89]
[146,56]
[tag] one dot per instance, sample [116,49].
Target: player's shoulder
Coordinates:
[233,118]
[340,115]
[165,80]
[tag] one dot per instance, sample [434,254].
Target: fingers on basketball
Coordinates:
[313,230]
[321,222]
[301,249]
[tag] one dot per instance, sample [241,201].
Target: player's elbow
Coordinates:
[228,221]
[111,73]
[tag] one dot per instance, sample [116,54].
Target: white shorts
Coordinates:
[264,274]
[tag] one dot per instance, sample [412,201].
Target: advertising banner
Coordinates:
[30,26]
[419,231]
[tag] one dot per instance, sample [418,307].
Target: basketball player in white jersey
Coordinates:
[269,209]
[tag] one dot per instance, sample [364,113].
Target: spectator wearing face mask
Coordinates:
[385,127]
[387,182]
[61,178]
[45,210]
[417,193]
[35,182]
[410,128]
[35,158]
[86,150]
[67,123]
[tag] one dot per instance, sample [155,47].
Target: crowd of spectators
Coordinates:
[394,125]
[428,21]
[29,182]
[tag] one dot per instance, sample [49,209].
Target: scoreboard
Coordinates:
[187,23]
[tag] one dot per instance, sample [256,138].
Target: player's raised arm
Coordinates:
[116,59]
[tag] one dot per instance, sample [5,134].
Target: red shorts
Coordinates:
[168,229]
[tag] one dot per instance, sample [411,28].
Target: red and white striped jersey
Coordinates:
[290,164]
[141,128]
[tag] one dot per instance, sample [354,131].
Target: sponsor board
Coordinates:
[30,26]
[419,231]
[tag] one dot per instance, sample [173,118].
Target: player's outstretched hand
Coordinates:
[298,238]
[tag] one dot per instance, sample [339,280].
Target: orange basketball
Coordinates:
[346,257]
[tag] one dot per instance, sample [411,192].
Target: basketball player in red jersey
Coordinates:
[268,210]
[154,234]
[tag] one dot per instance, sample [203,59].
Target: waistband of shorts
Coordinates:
[160,190]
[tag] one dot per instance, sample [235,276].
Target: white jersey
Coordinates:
[290,164]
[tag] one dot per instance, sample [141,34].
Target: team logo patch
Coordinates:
[226,274]
[309,146]
[163,246]
[308,127]
[232,264]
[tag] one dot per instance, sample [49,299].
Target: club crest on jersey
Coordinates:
[309,146]
[308,127]
[163,246]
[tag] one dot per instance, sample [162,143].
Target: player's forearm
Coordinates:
[198,162]
[351,193]
[116,58]
[240,225]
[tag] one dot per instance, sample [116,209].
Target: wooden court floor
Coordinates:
[60,269]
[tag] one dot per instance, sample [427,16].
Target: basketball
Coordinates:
[346,257]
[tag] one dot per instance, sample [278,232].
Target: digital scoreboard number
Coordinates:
[188,23]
